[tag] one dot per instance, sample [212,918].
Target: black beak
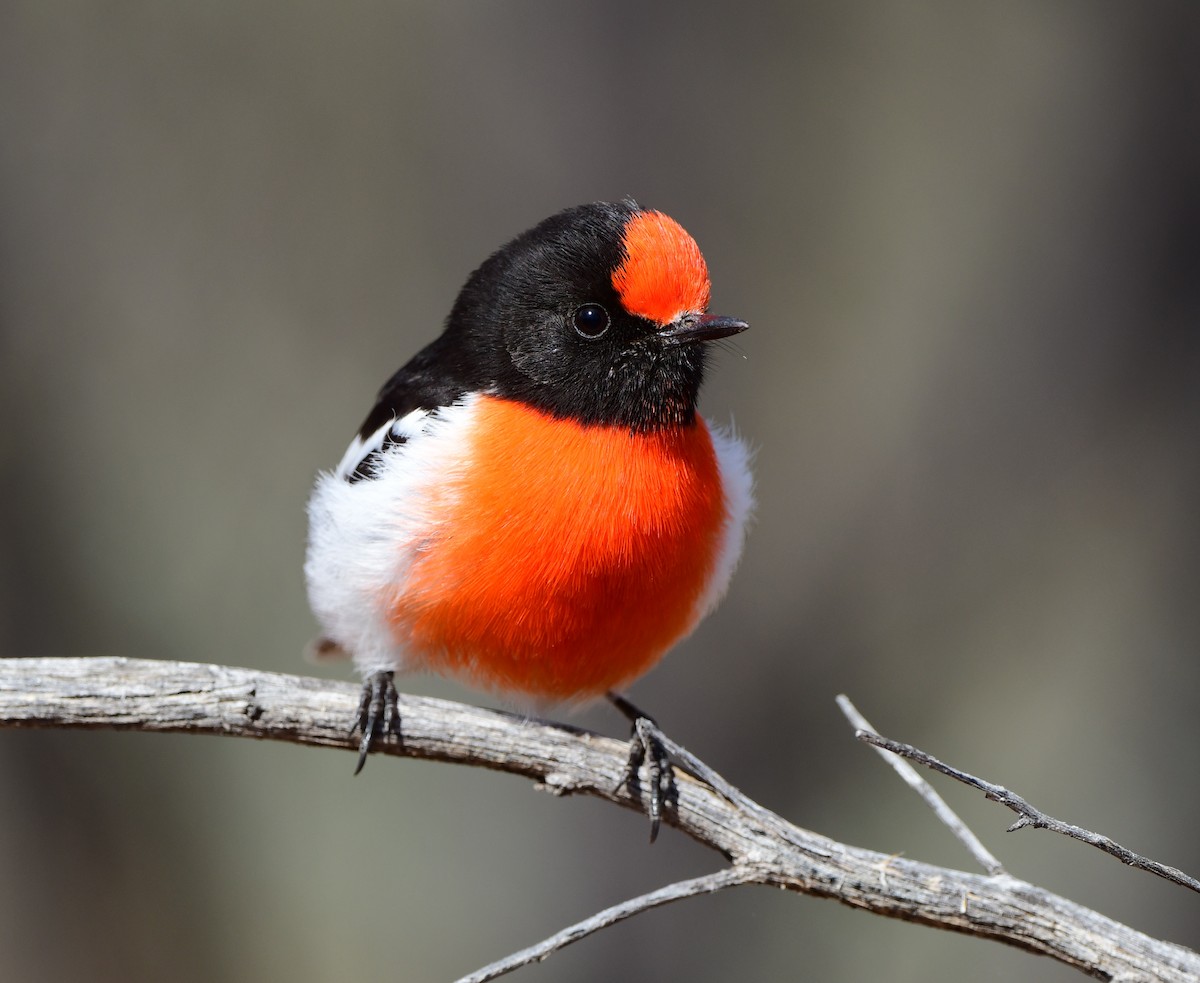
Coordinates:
[692,328]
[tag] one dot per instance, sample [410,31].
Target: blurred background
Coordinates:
[967,237]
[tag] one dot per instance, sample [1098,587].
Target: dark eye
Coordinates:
[590,320]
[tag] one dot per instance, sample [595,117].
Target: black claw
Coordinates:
[645,746]
[379,699]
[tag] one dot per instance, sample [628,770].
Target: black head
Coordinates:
[597,313]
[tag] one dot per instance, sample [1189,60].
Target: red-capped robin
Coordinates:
[534,505]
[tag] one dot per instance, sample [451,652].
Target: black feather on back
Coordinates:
[428,380]
[425,382]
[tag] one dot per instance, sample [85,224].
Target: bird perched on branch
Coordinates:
[533,505]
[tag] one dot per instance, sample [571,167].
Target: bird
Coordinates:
[533,505]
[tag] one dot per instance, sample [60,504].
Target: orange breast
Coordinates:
[570,557]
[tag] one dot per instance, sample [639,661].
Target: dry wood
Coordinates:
[948,817]
[171,696]
[1029,815]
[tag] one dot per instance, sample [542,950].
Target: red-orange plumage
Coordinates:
[663,274]
[567,558]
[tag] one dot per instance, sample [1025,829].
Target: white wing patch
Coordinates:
[403,429]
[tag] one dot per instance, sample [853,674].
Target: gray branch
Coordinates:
[707,884]
[170,696]
[949,818]
[1029,815]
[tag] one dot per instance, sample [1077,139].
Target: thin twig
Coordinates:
[913,779]
[708,884]
[1031,816]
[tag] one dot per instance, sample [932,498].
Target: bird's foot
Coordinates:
[378,712]
[646,746]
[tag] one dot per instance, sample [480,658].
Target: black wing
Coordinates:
[431,379]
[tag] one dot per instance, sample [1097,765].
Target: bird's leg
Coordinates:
[645,745]
[378,712]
